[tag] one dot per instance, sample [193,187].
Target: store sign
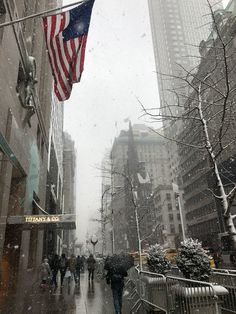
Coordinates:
[62,221]
[38,219]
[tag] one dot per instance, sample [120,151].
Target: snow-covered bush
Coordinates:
[193,260]
[156,261]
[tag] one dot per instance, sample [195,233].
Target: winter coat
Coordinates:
[55,264]
[45,271]
[63,263]
[78,263]
[91,263]
[115,276]
[72,263]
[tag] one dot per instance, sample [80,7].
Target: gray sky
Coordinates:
[119,66]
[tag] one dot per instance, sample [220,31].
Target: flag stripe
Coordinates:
[51,22]
[66,42]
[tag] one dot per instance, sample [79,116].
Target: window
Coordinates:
[171,217]
[168,196]
[172,228]
[169,207]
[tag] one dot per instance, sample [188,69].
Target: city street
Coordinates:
[93,298]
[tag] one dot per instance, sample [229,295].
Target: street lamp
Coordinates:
[94,241]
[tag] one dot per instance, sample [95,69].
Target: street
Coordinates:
[88,298]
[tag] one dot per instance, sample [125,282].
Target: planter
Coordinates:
[195,300]
[154,290]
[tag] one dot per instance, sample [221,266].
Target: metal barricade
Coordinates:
[186,296]
[148,292]
[155,293]
[227,279]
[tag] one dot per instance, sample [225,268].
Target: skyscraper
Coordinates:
[178,27]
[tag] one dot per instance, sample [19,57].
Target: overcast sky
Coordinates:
[119,67]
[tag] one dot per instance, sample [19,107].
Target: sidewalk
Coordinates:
[86,298]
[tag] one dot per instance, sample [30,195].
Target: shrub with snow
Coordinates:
[193,260]
[156,261]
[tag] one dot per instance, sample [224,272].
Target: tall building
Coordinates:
[54,192]
[69,189]
[204,213]
[178,27]
[145,150]
[25,93]
[28,176]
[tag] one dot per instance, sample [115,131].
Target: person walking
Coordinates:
[72,266]
[63,266]
[55,265]
[91,266]
[115,277]
[83,259]
[78,268]
[45,273]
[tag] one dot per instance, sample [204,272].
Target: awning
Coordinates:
[66,221]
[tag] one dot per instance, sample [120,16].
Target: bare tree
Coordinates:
[129,190]
[202,118]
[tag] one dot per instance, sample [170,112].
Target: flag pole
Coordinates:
[39,14]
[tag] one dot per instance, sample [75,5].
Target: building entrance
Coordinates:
[13,233]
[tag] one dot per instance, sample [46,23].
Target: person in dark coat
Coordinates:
[91,266]
[115,277]
[63,266]
[78,268]
[83,259]
[55,265]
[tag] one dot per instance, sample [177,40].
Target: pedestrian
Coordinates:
[83,259]
[55,266]
[91,266]
[115,277]
[72,266]
[63,266]
[217,259]
[78,268]
[45,273]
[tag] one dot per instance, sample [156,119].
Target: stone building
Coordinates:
[25,143]
[144,151]
[216,78]
[69,191]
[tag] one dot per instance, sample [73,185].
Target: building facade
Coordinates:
[31,175]
[204,213]
[143,152]
[69,191]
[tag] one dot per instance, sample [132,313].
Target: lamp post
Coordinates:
[94,241]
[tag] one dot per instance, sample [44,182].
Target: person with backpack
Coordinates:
[63,266]
[115,277]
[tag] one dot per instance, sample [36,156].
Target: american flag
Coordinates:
[66,36]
